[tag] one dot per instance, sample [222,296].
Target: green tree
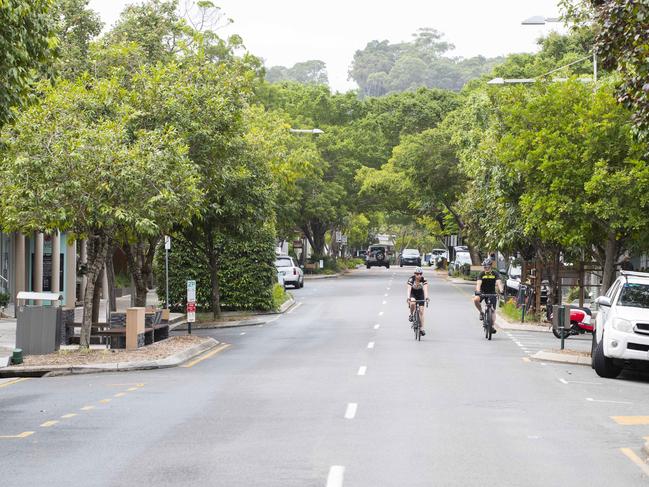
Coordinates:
[382,68]
[76,26]
[207,103]
[584,180]
[307,72]
[73,164]
[27,45]
[622,44]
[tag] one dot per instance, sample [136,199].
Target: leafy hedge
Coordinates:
[246,272]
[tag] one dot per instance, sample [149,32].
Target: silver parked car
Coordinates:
[289,271]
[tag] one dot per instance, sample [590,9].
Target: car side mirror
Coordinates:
[604,301]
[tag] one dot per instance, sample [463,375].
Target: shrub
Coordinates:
[279,296]
[246,272]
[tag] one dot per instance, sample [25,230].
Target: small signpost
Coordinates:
[191,304]
[167,248]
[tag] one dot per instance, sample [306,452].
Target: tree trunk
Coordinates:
[610,256]
[96,297]
[140,263]
[319,232]
[97,249]
[214,276]
[110,271]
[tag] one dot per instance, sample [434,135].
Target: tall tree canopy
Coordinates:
[27,46]
[307,72]
[382,68]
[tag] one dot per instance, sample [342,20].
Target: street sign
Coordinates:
[339,236]
[344,240]
[191,291]
[191,304]
[297,244]
[167,242]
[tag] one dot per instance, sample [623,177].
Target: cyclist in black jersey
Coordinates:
[488,281]
[417,288]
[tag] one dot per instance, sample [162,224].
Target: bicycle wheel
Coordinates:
[488,316]
[415,325]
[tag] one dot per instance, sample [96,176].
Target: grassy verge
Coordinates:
[280,296]
[510,311]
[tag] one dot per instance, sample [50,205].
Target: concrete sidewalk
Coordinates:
[8,325]
[8,338]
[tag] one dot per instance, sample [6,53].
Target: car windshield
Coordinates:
[283,263]
[410,252]
[634,295]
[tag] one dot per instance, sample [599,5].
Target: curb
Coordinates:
[505,324]
[645,448]
[311,277]
[546,356]
[182,326]
[58,370]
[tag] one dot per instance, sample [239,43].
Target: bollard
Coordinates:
[17,356]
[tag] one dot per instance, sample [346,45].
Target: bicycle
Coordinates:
[416,324]
[489,313]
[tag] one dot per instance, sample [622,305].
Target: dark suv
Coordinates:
[377,255]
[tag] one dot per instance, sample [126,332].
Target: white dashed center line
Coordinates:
[377,326]
[336,476]
[370,345]
[351,410]
[362,369]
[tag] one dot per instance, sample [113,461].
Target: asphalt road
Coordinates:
[336,392]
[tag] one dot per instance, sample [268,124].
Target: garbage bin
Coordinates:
[39,327]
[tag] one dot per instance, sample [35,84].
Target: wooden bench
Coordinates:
[114,332]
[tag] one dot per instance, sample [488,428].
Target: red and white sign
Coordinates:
[191,301]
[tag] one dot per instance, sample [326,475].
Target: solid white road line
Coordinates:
[362,369]
[336,476]
[351,410]
[295,307]
[370,345]
[590,399]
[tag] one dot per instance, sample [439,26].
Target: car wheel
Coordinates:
[367,265]
[302,283]
[400,265]
[593,347]
[387,266]
[604,366]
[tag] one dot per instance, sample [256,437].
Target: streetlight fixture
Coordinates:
[540,20]
[306,131]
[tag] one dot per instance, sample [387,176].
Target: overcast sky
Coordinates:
[284,32]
